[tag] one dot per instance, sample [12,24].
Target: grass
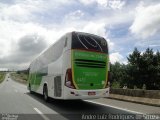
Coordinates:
[22,78]
[115,84]
[2,76]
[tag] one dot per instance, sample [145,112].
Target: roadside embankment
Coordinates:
[2,76]
[155,94]
[22,78]
[141,100]
[148,97]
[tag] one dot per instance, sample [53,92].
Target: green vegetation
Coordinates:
[119,75]
[2,76]
[141,72]
[20,77]
[116,84]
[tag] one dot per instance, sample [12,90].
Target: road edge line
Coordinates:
[114,107]
[41,114]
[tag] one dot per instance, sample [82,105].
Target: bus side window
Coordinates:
[65,44]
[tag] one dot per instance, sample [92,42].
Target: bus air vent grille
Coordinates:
[90,63]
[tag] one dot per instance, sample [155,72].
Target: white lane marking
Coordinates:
[38,111]
[115,107]
[42,115]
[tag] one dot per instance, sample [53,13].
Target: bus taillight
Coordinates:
[108,80]
[68,79]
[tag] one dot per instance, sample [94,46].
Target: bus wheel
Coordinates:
[45,93]
[30,89]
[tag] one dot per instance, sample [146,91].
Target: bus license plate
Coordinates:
[91,93]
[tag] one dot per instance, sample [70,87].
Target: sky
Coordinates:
[27,27]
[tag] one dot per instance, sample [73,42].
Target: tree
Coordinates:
[118,74]
[155,72]
[134,61]
[147,68]
[144,69]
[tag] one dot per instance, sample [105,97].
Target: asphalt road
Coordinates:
[17,103]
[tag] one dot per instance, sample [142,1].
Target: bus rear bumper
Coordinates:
[85,94]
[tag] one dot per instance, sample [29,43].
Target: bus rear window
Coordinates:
[89,42]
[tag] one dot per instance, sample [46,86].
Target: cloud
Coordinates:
[12,31]
[116,4]
[87,2]
[153,43]
[95,28]
[23,12]
[26,49]
[31,44]
[111,44]
[3,69]
[113,4]
[74,15]
[116,57]
[31,10]
[22,22]
[147,20]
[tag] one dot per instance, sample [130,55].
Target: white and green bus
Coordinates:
[75,67]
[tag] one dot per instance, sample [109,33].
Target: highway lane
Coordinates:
[15,99]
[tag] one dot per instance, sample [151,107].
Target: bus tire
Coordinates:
[30,91]
[45,93]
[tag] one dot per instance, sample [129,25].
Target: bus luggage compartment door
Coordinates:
[57,86]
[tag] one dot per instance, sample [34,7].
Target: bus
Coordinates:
[74,67]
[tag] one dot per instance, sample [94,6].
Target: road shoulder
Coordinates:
[145,101]
[128,106]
